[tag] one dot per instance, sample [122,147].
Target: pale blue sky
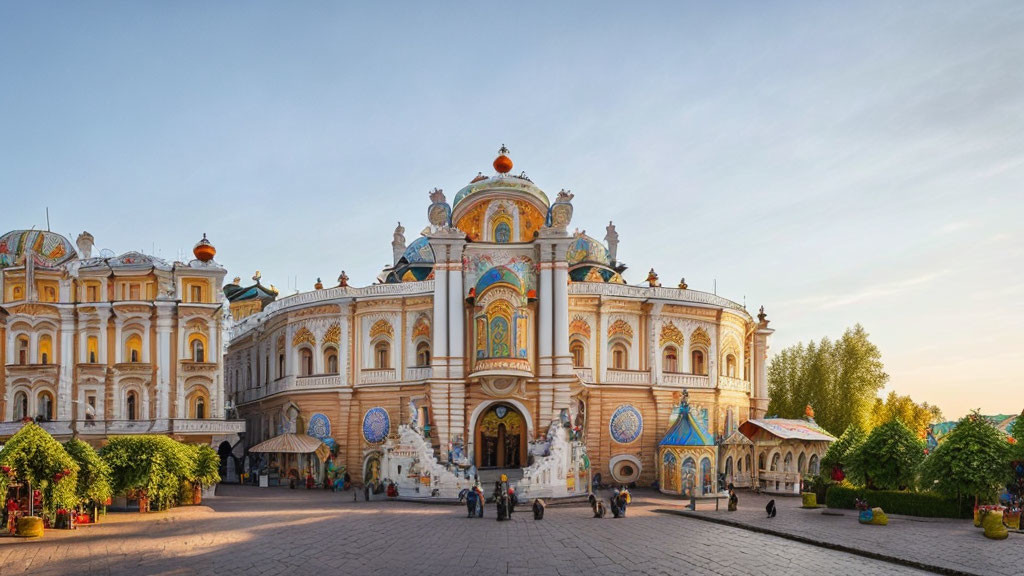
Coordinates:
[836,162]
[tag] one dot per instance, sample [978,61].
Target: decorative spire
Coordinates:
[343,280]
[762,318]
[256,277]
[809,412]
[503,164]
[398,243]
[682,284]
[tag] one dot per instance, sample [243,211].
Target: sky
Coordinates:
[835,162]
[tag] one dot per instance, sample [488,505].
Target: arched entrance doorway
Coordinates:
[500,438]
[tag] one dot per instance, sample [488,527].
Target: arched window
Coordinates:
[132,405]
[45,400]
[502,233]
[200,407]
[20,405]
[787,464]
[760,461]
[730,366]
[801,463]
[697,361]
[306,362]
[198,353]
[423,354]
[280,365]
[45,349]
[578,353]
[747,458]
[17,293]
[92,346]
[331,360]
[775,462]
[133,348]
[23,350]
[620,357]
[49,294]
[382,355]
[670,359]
[814,467]
[707,482]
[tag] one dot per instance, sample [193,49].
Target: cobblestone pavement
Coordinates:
[252,531]
[954,545]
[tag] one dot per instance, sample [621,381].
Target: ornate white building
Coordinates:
[495,323]
[97,345]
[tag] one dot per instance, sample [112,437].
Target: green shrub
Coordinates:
[33,456]
[925,504]
[887,459]
[158,466]
[93,487]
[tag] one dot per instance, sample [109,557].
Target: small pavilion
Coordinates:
[688,456]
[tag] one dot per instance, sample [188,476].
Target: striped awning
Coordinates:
[293,444]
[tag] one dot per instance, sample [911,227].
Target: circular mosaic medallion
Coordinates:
[626,424]
[319,426]
[376,425]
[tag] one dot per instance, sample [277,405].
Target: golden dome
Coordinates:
[203,250]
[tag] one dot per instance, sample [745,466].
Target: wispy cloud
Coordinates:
[866,293]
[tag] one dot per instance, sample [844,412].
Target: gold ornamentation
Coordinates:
[593,276]
[303,335]
[620,328]
[669,333]
[579,326]
[333,335]
[421,328]
[700,338]
[381,327]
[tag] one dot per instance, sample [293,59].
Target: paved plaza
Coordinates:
[250,531]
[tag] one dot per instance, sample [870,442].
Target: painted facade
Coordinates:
[495,323]
[97,345]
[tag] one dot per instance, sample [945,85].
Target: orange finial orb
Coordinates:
[503,164]
[203,250]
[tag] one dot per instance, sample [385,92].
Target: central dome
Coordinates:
[501,183]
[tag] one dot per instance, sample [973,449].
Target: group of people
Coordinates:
[619,501]
[504,497]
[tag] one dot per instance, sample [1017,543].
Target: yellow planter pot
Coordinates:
[30,526]
[992,522]
[810,499]
[1012,521]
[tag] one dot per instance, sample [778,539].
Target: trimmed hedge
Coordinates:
[925,504]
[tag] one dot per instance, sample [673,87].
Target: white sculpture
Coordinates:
[398,243]
[611,237]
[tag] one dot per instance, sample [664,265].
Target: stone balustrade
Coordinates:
[685,380]
[378,376]
[585,374]
[728,383]
[627,376]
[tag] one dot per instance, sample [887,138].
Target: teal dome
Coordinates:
[586,249]
[419,251]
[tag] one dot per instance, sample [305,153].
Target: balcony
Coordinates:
[627,376]
[727,383]
[190,367]
[378,376]
[585,374]
[140,368]
[685,380]
[120,427]
[33,371]
[418,372]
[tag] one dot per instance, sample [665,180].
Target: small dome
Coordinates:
[48,248]
[503,164]
[203,250]
[419,251]
[586,249]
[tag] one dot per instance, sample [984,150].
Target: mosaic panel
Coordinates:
[376,425]
[626,424]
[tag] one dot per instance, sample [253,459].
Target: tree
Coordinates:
[93,485]
[970,461]
[152,466]
[888,459]
[1017,433]
[839,379]
[206,468]
[34,457]
[916,416]
[839,453]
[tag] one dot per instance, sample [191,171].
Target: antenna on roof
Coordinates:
[715,286]
[47,218]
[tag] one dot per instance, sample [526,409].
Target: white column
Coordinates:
[67,364]
[456,325]
[560,289]
[164,318]
[545,304]
[439,342]
[118,348]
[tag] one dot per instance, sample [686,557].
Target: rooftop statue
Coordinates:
[611,238]
[398,243]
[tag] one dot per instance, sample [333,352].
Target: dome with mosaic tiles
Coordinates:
[49,249]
